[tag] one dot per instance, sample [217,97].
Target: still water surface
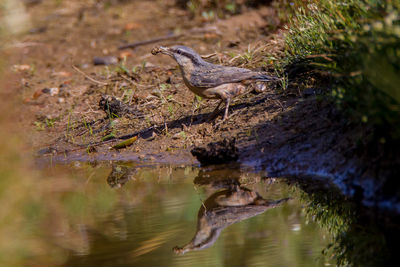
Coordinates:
[122,214]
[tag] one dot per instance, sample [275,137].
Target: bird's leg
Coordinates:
[194,105]
[215,112]
[227,103]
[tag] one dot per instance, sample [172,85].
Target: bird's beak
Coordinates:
[161,49]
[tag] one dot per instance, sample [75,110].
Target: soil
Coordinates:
[285,133]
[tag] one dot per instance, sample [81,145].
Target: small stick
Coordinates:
[87,76]
[171,36]
[151,41]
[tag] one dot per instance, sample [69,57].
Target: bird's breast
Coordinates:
[188,80]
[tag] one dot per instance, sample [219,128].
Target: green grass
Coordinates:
[357,43]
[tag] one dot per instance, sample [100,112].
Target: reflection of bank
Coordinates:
[222,209]
[120,175]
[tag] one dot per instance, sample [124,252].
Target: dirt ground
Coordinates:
[64,102]
[285,133]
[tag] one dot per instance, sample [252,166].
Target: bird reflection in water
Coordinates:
[233,204]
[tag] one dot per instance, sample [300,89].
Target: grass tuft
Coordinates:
[357,43]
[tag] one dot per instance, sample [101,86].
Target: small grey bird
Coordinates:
[210,80]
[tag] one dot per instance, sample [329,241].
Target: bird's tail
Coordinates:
[265,78]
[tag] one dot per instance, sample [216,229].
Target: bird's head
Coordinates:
[182,54]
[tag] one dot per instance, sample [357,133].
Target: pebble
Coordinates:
[23,67]
[260,87]
[152,137]
[38,93]
[107,60]
[54,91]
[177,136]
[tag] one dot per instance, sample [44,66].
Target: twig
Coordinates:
[127,79]
[172,36]
[23,44]
[151,41]
[177,102]
[87,76]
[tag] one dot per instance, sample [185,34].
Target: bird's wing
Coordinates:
[217,75]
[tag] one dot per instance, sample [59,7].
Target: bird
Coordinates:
[212,81]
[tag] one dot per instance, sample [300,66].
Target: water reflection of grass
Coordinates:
[358,239]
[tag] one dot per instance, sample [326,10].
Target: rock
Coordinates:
[107,60]
[62,74]
[51,91]
[217,152]
[152,137]
[259,87]
[54,91]
[116,108]
[176,136]
[84,66]
[38,93]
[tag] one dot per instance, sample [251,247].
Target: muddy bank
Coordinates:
[307,138]
[313,139]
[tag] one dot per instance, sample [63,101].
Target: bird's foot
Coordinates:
[216,125]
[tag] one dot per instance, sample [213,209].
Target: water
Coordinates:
[123,214]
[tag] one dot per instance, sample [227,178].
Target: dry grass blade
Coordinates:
[87,76]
